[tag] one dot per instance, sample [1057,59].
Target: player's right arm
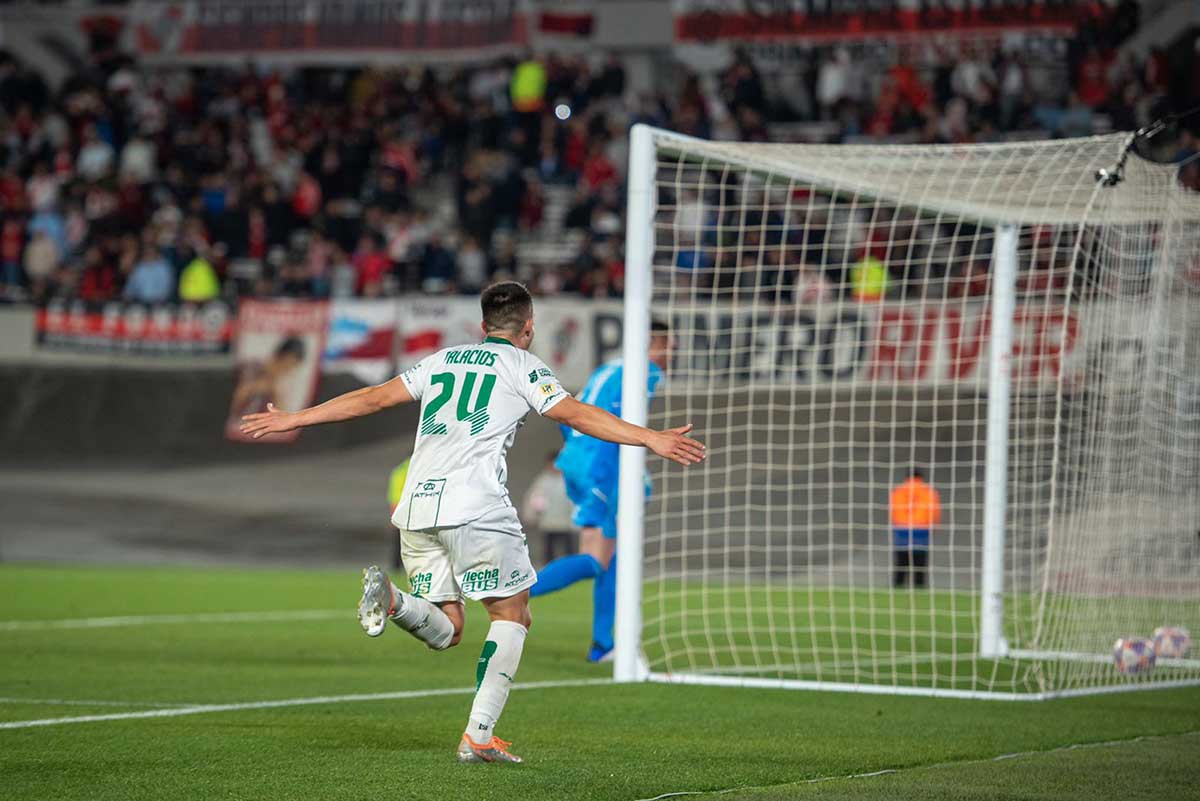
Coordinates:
[593,421]
[358,403]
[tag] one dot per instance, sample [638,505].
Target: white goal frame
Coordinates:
[629,664]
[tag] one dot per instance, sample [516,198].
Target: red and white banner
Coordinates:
[712,21]
[573,18]
[193,30]
[362,339]
[163,329]
[278,359]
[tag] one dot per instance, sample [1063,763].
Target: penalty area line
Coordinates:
[276,616]
[933,766]
[319,700]
[84,702]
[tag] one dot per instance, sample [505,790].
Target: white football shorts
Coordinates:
[486,558]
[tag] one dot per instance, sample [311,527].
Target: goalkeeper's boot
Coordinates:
[495,750]
[378,602]
[598,653]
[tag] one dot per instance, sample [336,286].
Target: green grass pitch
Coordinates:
[586,741]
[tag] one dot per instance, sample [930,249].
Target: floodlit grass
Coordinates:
[587,741]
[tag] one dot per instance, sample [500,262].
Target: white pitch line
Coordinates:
[78,702]
[288,702]
[276,616]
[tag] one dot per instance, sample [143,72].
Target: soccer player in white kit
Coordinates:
[460,536]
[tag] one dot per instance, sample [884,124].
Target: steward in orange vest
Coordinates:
[916,509]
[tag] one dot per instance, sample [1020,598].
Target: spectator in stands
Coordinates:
[98,282]
[437,269]
[812,286]
[198,282]
[915,510]
[152,280]
[12,241]
[95,159]
[370,266]
[249,161]
[42,261]
[869,279]
[474,268]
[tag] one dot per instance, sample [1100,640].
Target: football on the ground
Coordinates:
[1171,642]
[1133,655]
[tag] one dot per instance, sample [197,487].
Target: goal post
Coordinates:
[639,249]
[994,316]
[999,387]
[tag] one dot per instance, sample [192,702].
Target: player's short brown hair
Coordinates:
[506,306]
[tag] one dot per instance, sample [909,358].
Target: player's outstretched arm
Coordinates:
[358,403]
[593,421]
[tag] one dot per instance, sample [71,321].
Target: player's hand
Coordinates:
[672,444]
[272,421]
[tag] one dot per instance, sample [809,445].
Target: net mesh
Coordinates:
[830,311]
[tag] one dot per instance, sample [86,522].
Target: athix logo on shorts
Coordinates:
[421,582]
[481,580]
[515,578]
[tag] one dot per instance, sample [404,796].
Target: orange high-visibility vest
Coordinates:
[915,504]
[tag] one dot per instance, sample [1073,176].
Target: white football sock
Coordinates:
[494,677]
[423,620]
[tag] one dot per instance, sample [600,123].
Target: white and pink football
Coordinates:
[1133,655]
[1171,642]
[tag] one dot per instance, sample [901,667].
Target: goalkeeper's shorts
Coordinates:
[486,558]
[595,507]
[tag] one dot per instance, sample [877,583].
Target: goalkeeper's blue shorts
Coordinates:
[595,506]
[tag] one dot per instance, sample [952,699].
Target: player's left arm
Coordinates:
[588,419]
[358,403]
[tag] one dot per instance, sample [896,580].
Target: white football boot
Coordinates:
[378,602]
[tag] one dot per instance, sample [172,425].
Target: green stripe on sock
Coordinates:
[485,656]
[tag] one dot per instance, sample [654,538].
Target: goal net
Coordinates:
[995,317]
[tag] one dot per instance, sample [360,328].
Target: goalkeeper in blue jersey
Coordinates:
[589,469]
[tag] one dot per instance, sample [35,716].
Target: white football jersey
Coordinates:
[473,400]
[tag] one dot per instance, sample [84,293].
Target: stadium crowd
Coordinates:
[152,186]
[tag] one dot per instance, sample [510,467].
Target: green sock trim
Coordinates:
[485,656]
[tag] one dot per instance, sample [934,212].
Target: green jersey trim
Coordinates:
[497,341]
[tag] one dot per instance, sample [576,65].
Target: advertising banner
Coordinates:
[324,30]
[712,21]
[835,344]
[853,343]
[918,344]
[164,329]
[278,357]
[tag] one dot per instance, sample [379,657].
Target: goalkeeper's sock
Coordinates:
[422,620]
[604,606]
[564,572]
[494,677]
